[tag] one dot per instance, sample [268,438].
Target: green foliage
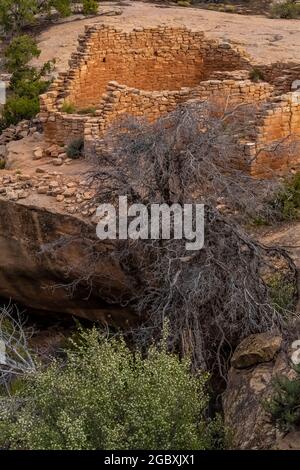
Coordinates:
[287,201]
[26,86]
[90,7]
[29,82]
[15,14]
[288,10]
[106,397]
[284,405]
[18,108]
[68,107]
[256,75]
[259,221]
[282,292]
[20,51]
[26,83]
[63,7]
[75,148]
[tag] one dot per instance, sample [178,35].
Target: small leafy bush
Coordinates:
[23,102]
[282,292]
[90,7]
[284,405]
[20,51]
[287,202]
[256,74]
[288,10]
[63,7]
[15,14]
[26,83]
[259,221]
[75,148]
[106,397]
[68,107]
[18,108]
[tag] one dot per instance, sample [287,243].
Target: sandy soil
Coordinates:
[267,40]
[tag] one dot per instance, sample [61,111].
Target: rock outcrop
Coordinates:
[255,363]
[256,349]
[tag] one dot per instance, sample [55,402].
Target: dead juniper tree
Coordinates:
[214,297]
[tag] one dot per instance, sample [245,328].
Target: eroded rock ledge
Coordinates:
[255,363]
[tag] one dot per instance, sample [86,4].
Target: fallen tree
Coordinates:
[213,297]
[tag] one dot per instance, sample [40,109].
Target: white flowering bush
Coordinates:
[105,397]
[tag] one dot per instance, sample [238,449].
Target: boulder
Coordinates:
[38,153]
[256,349]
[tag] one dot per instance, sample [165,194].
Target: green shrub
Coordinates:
[26,86]
[284,405]
[105,397]
[26,83]
[20,51]
[15,14]
[287,202]
[282,292]
[23,103]
[68,107]
[18,108]
[259,221]
[90,7]
[288,10]
[75,148]
[256,75]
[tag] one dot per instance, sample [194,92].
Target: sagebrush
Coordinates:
[103,396]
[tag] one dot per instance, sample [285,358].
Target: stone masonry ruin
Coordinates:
[149,71]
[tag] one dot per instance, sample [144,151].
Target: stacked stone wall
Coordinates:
[281,75]
[148,72]
[148,60]
[275,143]
[151,59]
[122,100]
